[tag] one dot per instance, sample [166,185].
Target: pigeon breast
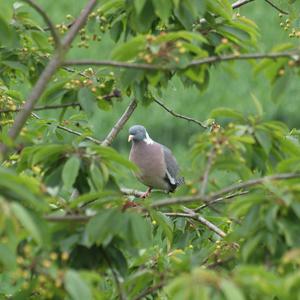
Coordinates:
[152,166]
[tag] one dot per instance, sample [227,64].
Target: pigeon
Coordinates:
[158,167]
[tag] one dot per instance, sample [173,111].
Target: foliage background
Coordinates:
[126,255]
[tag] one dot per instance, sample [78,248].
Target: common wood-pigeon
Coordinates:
[158,167]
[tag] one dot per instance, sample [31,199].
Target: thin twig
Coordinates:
[229,57]
[221,199]
[45,107]
[111,63]
[159,102]
[207,60]
[47,74]
[115,94]
[150,291]
[229,189]
[86,137]
[47,20]
[276,7]
[208,166]
[253,182]
[120,123]
[68,218]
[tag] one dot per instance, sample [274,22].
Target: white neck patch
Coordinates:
[148,140]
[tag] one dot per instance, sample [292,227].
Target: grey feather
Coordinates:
[172,168]
[158,167]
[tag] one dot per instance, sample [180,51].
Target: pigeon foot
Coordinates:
[147,193]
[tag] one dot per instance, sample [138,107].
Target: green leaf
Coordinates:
[139,5]
[21,188]
[164,222]
[249,247]
[231,291]
[130,49]
[40,39]
[8,35]
[227,113]
[140,230]
[55,92]
[70,171]
[15,65]
[6,12]
[7,257]
[87,101]
[110,154]
[258,106]
[163,9]
[102,227]
[76,286]
[29,221]
[279,87]
[264,140]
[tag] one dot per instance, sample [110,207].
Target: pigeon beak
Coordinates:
[130,137]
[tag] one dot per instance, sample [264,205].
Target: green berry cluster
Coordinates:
[286,25]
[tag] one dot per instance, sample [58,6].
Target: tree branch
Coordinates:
[229,57]
[120,123]
[111,63]
[221,199]
[231,188]
[115,94]
[240,3]
[131,192]
[45,107]
[276,7]
[68,218]
[46,75]
[72,131]
[150,291]
[189,213]
[253,182]
[159,102]
[47,20]
[207,60]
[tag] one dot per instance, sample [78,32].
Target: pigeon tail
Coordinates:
[180,181]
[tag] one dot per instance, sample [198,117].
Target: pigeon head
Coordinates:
[138,133]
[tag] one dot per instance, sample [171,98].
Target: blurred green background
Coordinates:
[231,89]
